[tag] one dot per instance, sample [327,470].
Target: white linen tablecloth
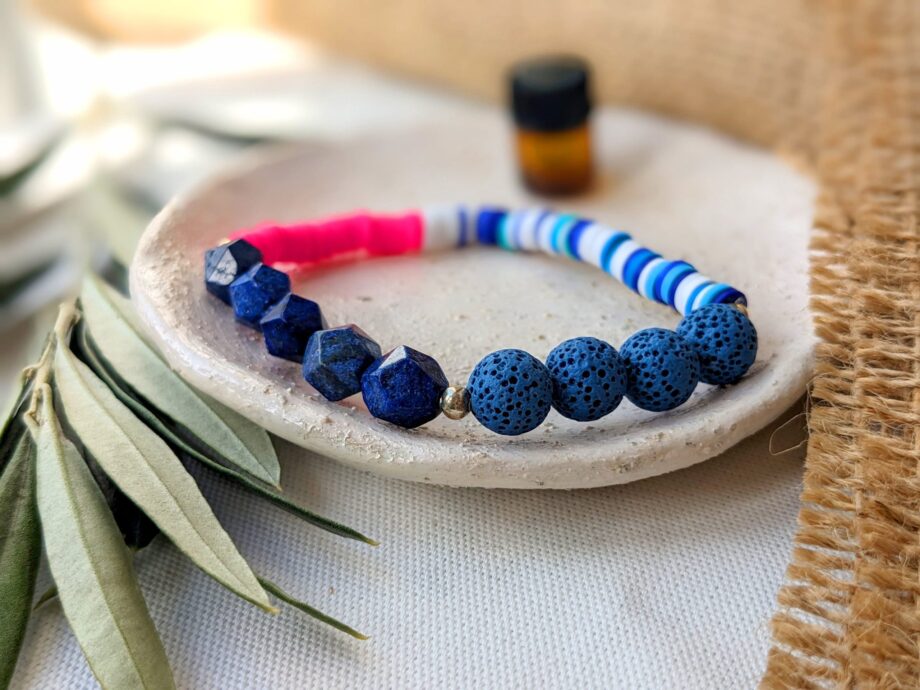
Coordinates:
[665,583]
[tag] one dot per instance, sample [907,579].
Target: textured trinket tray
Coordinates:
[738,214]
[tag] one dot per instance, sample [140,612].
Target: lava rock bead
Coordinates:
[404,387]
[589,378]
[255,291]
[662,369]
[510,392]
[226,263]
[336,358]
[724,339]
[288,325]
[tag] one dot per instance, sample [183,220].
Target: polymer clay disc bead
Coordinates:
[336,358]
[510,392]
[404,387]
[226,263]
[589,378]
[288,325]
[255,291]
[724,339]
[662,369]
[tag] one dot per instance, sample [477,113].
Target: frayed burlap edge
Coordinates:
[850,609]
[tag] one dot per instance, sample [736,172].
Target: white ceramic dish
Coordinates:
[736,213]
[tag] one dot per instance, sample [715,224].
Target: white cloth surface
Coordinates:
[665,583]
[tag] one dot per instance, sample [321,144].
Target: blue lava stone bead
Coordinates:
[662,369]
[288,325]
[404,387]
[224,264]
[589,378]
[255,291]
[336,358]
[724,339]
[510,392]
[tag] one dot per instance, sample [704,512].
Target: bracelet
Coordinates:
[509,391]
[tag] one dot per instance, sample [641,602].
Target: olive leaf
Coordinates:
[20,548]
[276,591]
[121,348]
[148,472]
[46,596]
[13,403]
[137,529]
[86,350]
[91,565]
[12,425]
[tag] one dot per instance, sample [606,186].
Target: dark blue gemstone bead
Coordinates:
[288,325]
[724,339]
[662,369]
[404,387]
[589,378]
[336,358]
[224,264]
[510,392]
[254,292]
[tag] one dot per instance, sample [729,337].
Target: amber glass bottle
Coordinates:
[551,104]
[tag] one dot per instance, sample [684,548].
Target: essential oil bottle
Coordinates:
[551,105]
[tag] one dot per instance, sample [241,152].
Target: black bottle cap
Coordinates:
[550,93]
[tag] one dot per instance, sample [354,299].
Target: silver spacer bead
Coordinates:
[455,402]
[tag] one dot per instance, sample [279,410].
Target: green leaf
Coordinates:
[92,567]
[275,590]
[47,595]
[13,403]
[148,472]
[12,425]
[159,426]
[20,548]
[123,350]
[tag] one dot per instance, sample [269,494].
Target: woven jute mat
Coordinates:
[835,86]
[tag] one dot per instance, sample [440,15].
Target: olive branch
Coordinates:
[93,465]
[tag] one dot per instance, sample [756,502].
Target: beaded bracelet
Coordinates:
[509,391]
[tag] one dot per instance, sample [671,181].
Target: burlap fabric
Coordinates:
[835,86]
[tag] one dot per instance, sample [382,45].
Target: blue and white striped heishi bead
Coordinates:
[674,283]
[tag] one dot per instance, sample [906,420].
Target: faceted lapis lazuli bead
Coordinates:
[662,369]
[336,358]
[725,340]
[224,264]
[254,292]
[288,325]
[510,392]
[404,387]
[589,378]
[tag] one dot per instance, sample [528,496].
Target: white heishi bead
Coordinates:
[685,289]
[512,221]
[621,256]
[599,236]
[643,277]
[442,228]
[587,243]
[528,231]
[545,232]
